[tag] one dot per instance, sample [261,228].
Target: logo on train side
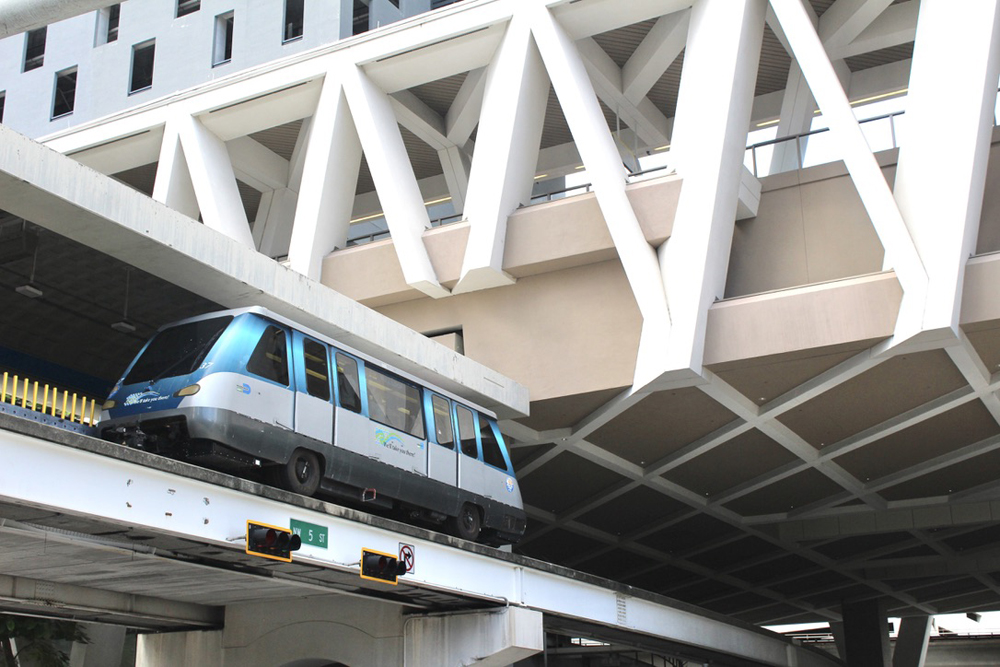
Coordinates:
[391,440]
[147,396]
[243,388]
[510,485]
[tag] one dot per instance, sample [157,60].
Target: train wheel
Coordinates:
[302,473]
[468,522]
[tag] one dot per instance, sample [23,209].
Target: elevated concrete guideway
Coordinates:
[127,537]
[62,195]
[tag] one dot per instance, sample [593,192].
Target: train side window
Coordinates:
[270,357]
[467,432]
[348,385]
[317,369]
[492,453]
[442,422]
[394,403]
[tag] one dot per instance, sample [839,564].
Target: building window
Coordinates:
[34,49]
[142,67]
[360,17]
[223,50]
[107,24]
[185,7]
[64,96]
[3,100]
[294,13]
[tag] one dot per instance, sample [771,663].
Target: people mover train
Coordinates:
[250,392]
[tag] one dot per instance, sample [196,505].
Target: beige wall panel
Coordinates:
[810,227]
[559,334]
[989,222]
[979,293]
[808,317]
[542,238]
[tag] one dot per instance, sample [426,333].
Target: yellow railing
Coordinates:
[24,393]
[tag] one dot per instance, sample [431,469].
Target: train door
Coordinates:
[272,400]
[442,459]
[313,408]
[470,469]
[351,424]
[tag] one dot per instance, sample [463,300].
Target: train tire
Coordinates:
[302,473]
[468,523]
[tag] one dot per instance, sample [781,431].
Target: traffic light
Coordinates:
[379,566]
[271,541]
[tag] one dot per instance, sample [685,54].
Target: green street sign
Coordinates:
[310,533]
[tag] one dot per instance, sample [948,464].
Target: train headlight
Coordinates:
[189,390]
[109,404]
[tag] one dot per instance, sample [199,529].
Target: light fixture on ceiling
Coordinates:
[29,289]
[123,325]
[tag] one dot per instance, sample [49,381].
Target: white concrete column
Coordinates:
[390,167]
[214,180]
[328,179]
[710,128]
[503,167]
[943,158]
[600,155]
[456,165]
[179,648]
[465,110]
[797,107]
[911,641]
[485,638]
[173,185]
[900,252]
[656,52]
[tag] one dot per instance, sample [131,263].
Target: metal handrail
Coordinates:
[797,138]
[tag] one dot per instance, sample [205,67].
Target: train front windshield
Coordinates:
[178,350]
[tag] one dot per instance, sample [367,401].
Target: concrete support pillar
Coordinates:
[600,155]
[486,638]
[173,186]
[390,167]
[797,107]
[911,641]
[657,51]
[329,177]
[456,165]
[900,253]
[710,129]
[107,642]
[179,648]
[214,180]
[503,167]
[866,634]
[953,80]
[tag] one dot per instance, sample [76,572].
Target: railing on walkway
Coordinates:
[798,151]
[24,393]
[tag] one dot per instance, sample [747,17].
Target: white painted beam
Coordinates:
[456,166]
[896,25]
[900,252]
[213,179]
[329,177]
[503,166]
[463,114]
[656,52]
[393,175]
[584,19]
[256,165]
[710,127]
[846,19]
[419,119]
[173,186]
[647,121]
[956,63]
[600,155]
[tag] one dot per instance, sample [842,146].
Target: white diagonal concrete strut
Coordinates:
[391,170]
[723,47]
[600,155]
[900,252]
[655,53]
[329,177]
[503,166]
